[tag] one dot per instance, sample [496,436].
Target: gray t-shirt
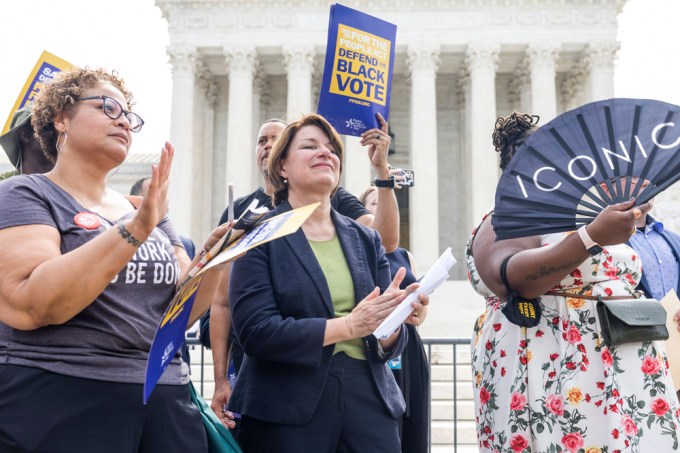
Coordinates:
[110,339]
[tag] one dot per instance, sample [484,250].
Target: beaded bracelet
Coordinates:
[128,236]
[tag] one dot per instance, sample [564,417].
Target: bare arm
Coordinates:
[533,269]
[41,286]
[220,327]
[386,219]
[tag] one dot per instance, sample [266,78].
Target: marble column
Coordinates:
[542,59]
[464,217]
[422,63]
[599,58]
[241,65]
[182,126]
[572,87]
[482,63]
[519,88]
[260,100]
[299,62]
[208,93]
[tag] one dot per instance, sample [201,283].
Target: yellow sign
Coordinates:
[177,304]
[43,71]
[361,66]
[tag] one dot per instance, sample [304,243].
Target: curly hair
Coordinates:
[58,98]
[510,132]
[279,152]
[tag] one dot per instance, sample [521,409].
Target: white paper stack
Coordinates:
[437,275]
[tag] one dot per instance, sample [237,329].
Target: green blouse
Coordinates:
[341,286]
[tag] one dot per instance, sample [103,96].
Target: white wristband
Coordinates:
[591,246]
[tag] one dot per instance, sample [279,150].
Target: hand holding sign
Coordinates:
[378,141]
[358,70]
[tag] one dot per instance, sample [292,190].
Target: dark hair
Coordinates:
[280,148]
[58,98]
[136,188]
[510,133]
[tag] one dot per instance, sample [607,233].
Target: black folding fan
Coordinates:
[599,154]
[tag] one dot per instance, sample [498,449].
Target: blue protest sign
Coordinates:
[357,76]
[170,334]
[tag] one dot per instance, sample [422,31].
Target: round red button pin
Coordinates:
[87,220]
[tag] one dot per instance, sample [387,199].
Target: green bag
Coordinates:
[220,439]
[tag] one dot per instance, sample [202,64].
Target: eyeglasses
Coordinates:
[114,110]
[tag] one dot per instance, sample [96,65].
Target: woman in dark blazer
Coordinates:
[304,307]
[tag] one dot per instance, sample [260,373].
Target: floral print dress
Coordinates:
[556,387]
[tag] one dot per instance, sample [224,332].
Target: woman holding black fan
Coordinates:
[543,377]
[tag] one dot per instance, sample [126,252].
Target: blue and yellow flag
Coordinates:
[43,71]
[357,76]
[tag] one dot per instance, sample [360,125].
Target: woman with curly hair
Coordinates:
[86,278]
[552,385]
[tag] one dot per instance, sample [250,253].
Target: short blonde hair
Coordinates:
[279,152]
[58,98]
[364,195]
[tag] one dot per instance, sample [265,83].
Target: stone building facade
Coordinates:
[458,65]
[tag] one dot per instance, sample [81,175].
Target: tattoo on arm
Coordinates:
[544,271]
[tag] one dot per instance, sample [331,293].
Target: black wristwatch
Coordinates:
[386,183]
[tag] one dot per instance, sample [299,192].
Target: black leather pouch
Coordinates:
[519,310]
[631,321]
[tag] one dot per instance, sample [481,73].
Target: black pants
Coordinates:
[47,412]
[414,381]
[350,417]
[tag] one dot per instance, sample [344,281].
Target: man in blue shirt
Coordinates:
[659,250]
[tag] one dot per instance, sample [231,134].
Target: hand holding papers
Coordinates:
[431,281]
[246,222]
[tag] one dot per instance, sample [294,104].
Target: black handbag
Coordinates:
[631,320]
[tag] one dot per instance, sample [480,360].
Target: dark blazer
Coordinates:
[673,241]
[280,302]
